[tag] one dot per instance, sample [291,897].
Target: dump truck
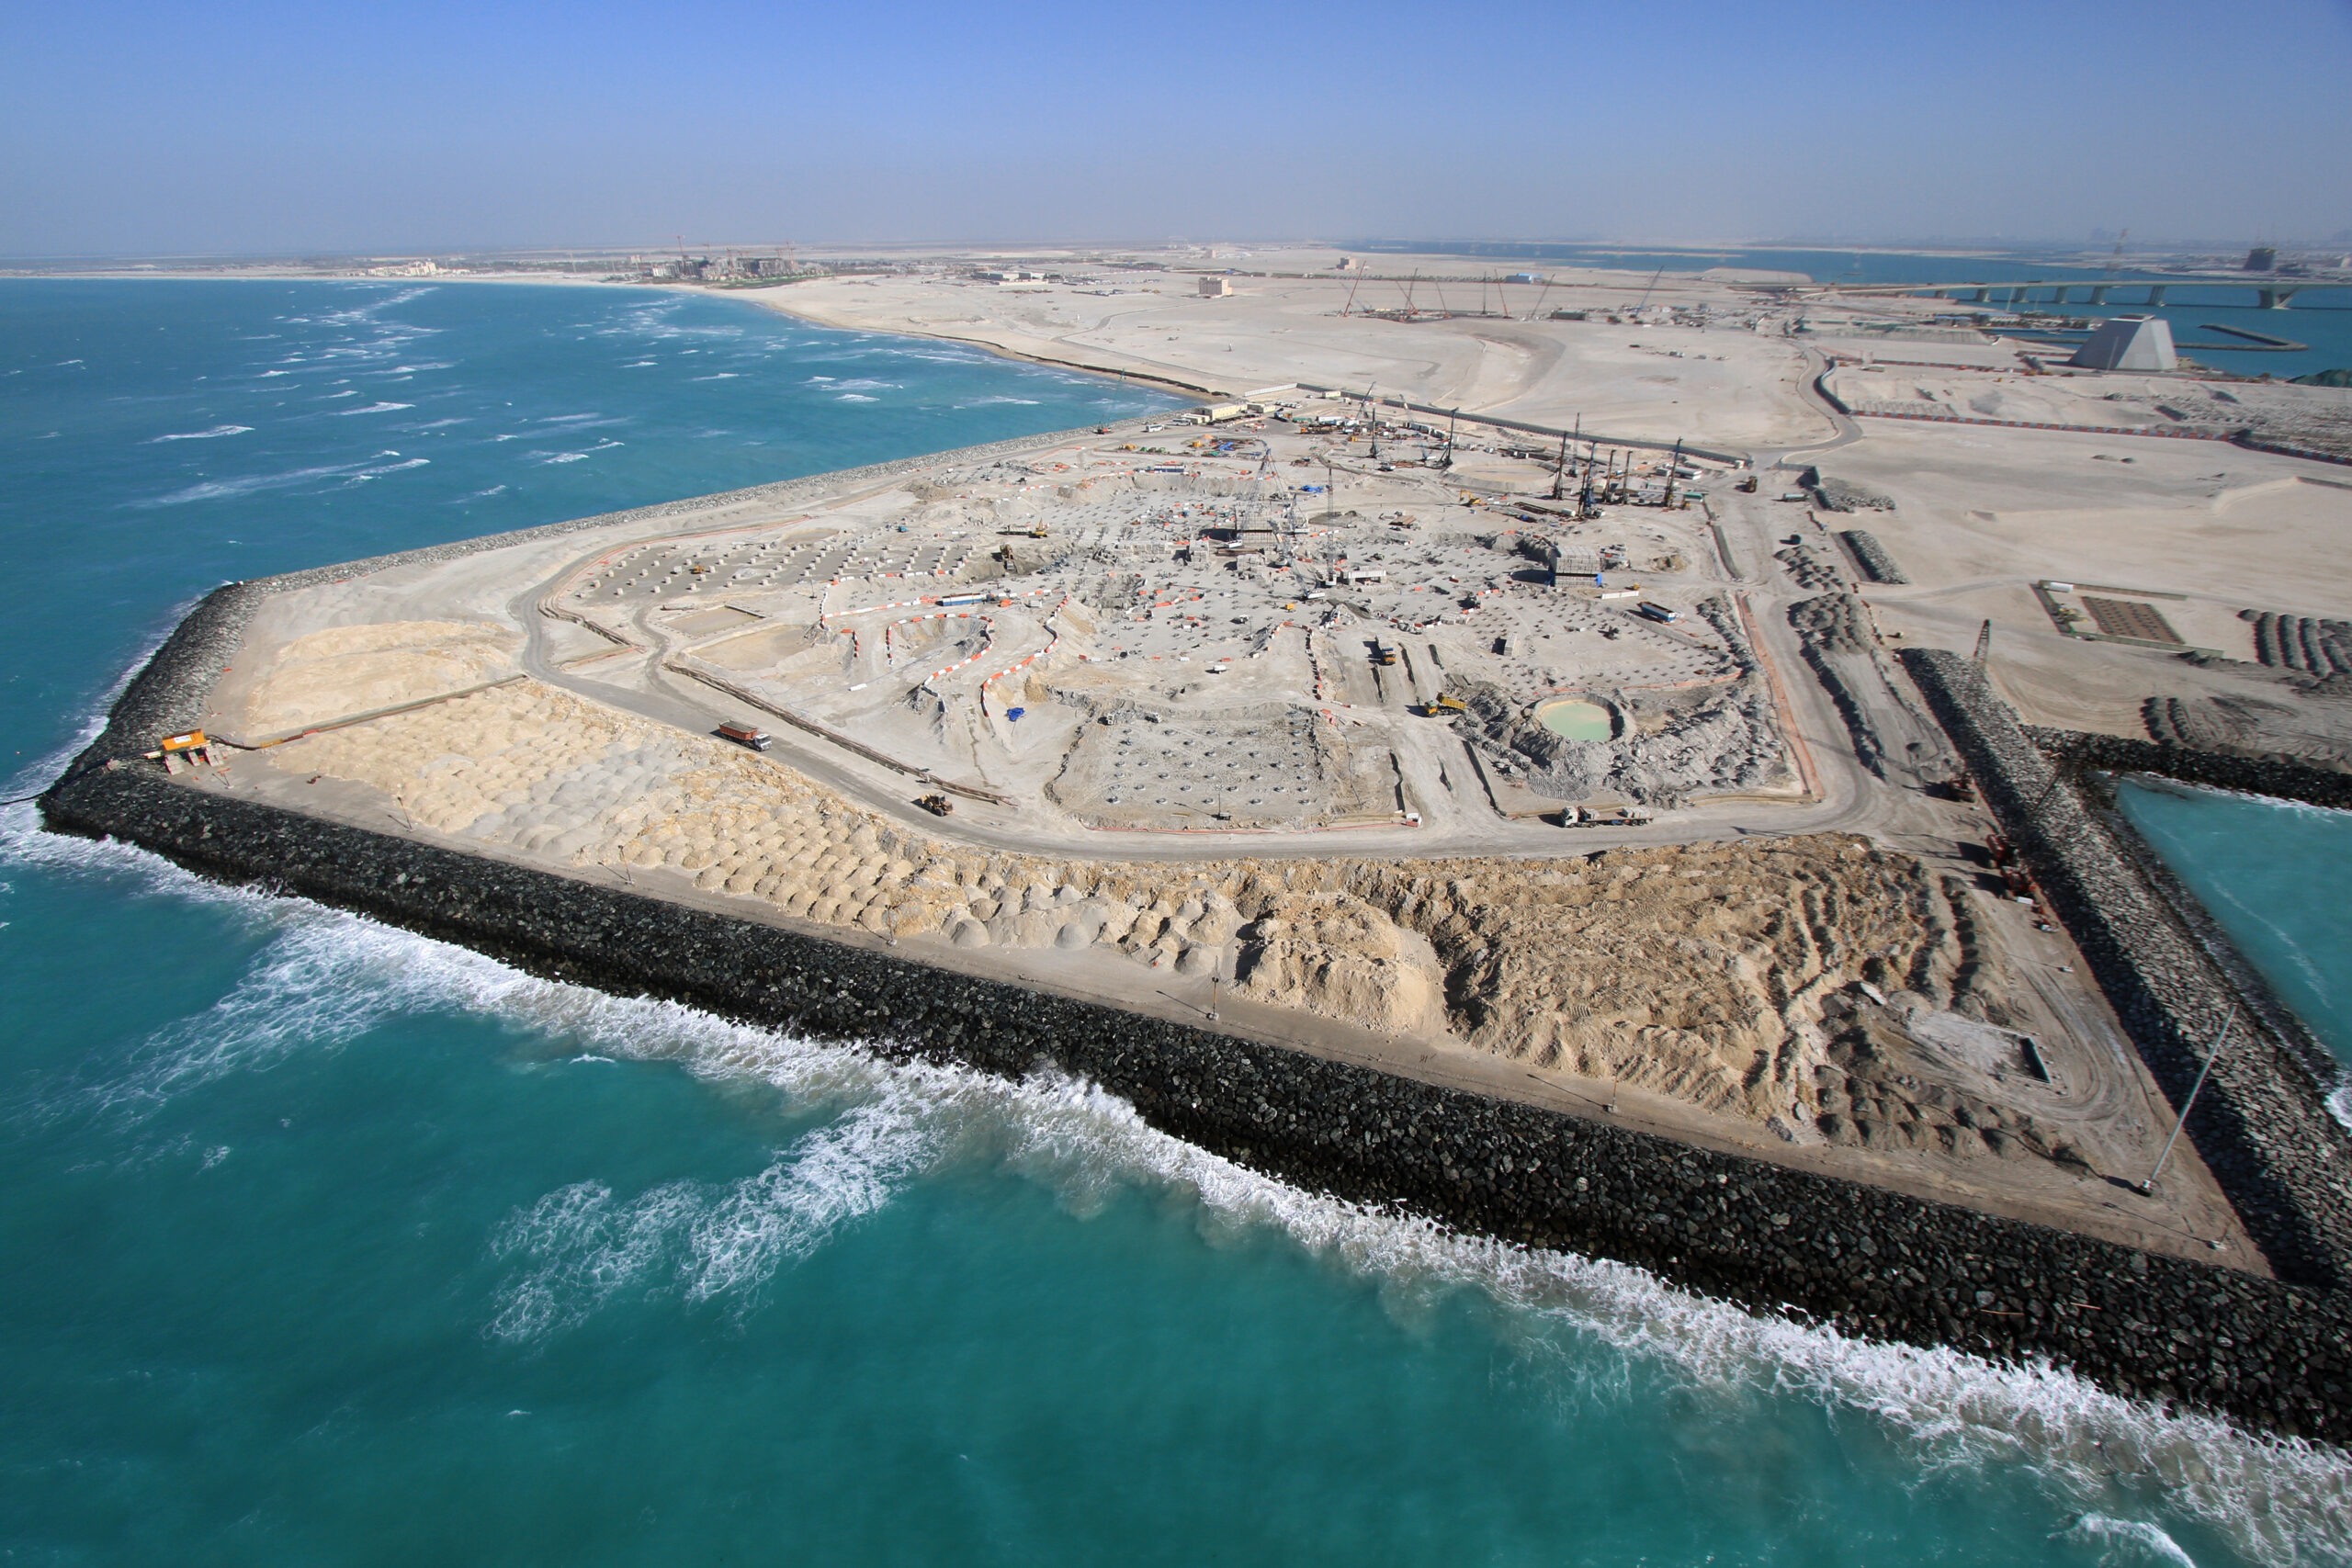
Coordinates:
[1383,653]
[746,736]
[1606,817]
[1444,705]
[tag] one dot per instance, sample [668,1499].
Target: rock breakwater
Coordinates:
[1860,1259]
[2262,1124]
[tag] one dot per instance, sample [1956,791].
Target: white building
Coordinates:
[2129,343]
[1216,287]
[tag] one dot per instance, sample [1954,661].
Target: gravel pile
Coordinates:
[1872,556]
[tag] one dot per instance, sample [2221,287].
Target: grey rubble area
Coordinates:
[1859,1258]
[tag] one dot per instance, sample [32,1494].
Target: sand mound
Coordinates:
[344,671]
[1700,972]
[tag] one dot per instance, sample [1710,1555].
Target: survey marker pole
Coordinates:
[2212,1055]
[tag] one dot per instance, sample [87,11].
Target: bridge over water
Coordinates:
[2271,293]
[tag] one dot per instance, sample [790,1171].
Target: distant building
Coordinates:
[1216,287]
[2262,258]
[2129,343]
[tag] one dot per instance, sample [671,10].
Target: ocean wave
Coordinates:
[2276,1500]
[217,490]
[212,434]
[721,375]
[2127,1540]
[856,398]
[373,408]
[324,977]
[363,474]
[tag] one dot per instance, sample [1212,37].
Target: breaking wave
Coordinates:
[321,978]
[214,433]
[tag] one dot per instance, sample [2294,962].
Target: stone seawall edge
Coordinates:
[1863,1260]
[2262,1124]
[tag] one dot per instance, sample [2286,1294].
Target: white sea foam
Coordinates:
[721,375]
[325,976]
[321,978]
[373,408]
[2127,1540]
[216,490]
[212,434]
[363,474]
[856,398]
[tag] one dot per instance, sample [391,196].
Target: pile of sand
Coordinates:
[344,671]
[1697,971]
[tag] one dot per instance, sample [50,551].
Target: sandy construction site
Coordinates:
[1551,769]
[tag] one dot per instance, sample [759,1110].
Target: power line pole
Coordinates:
[2212,1055]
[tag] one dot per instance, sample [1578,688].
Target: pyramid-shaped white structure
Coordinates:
[2129,343]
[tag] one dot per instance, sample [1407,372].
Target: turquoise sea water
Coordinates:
[2273,873]
[326,1244]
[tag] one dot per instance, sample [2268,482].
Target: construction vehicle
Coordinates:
[1747,485]
[937,804]
[1655,611]
[1383,653]
[745,736]
[1447,706]
[1606,817]
[186,750]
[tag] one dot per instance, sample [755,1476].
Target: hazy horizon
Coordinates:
[273,130]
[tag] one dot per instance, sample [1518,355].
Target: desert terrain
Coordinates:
[1412,700]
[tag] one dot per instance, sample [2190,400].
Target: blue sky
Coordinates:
[161,128]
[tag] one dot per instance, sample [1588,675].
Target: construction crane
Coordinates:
[1560,468]
[1984,644]
[2115,261]
[1538,311]
[1673,470]
[1646,292]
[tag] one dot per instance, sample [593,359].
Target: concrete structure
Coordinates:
[2129,343]
[1216,287]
